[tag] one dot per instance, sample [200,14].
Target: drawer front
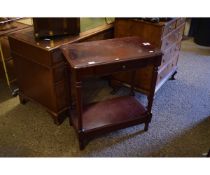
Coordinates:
[35,81]
[180,32]
[114,68]
[30,52]
[172,38]
[167,55]
[59,72]
[167,69]
[169,28]
[170,53]
[180,21]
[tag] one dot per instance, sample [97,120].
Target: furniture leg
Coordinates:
[58,119]
[78,86]
[132,92]
[173,76]
[147,122]
[81,140]
[115,89]
[68,75]
[146,126]
[150,97]
[208,155]
[22,99]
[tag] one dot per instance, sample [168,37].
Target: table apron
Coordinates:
[107,69]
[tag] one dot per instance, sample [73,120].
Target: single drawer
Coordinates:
[118,67]
[163,73]
[175,61]
[176,49]
[170,53]
[167,55]
[169,28]
[168,68]
[180,32]
[30,52]
[175,36]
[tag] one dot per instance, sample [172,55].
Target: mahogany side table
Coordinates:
[105,57]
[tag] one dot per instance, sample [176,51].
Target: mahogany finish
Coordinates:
[165,35]
[105,57]
[9,62]
[41,67]
[45,27]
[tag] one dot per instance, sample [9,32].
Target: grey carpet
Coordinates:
[180,126]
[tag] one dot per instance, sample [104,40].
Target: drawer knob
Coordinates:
[124,66]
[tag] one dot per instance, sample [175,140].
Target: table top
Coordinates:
[87,54]
[50,43]
[15,27]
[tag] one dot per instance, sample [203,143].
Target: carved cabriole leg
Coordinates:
[173,76]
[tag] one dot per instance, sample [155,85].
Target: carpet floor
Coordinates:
[180,125]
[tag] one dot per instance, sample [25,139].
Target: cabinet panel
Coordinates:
[169,28]
[5,48]
[166,35]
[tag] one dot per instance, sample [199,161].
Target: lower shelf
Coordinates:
[118,112]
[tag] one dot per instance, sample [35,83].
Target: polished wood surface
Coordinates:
[88,54]
[9,70]
[41,67]
[45,27]
[165,35]
[105,57]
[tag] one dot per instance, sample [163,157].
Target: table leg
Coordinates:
[150,97]
[68,75]
[132,92]
[79,106]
